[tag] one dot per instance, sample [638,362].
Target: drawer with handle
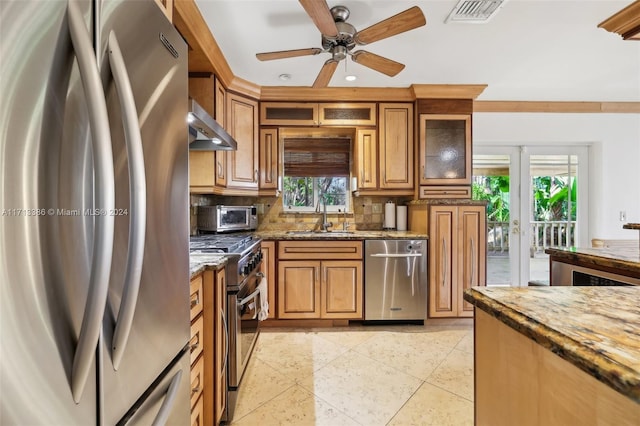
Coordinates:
[195,296]
[196,342]
[197,380]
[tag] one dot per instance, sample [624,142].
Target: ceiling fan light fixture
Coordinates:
[339,38]
[339,53]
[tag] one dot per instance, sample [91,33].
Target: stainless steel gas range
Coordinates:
[243,301]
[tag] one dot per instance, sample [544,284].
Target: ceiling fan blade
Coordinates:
[326,73]
[378,63]
[268,56]
[403,21]
[321,16]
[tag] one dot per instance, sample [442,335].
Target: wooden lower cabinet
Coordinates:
[269,270]
[209,408]
[326,286]
[320,289]
[457,257]
[221,349]
[298,289]
[341,289]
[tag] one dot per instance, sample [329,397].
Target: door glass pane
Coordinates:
[491,183]
[553,210]
[445,149]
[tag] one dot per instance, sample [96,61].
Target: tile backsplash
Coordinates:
[367,212]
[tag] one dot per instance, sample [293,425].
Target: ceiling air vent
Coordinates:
[474,11]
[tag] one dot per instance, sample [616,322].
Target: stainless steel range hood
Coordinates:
[205,134]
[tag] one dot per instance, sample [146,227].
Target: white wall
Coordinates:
[614,171]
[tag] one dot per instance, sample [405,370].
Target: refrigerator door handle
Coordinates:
[104,190]
[169,401]
[137,201]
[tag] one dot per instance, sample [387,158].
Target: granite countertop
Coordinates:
[198,262]
[340,235]
[448,202]
[623,258]
[595,328]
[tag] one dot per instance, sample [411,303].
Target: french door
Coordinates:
[534,202]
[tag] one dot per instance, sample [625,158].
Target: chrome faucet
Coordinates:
[325,223]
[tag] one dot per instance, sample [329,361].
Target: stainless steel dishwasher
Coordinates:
[395,280]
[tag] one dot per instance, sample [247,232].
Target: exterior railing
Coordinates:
[544,234]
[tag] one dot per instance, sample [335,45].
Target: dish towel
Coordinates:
[264,300]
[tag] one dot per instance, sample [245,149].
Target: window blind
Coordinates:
[316,157]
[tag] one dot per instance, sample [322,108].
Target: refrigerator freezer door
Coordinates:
[395,280]
[155,58]
[46,240]
[167,400]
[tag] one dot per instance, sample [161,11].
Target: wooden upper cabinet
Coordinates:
[366,159]
[242,124]
[314,114]
[220,116]
[268,159]
[202,164]
[354,114]
[445,149]
[396,146]
[288,114]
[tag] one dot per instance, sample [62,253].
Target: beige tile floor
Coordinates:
[362,375]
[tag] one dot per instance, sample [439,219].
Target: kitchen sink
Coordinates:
[318,233]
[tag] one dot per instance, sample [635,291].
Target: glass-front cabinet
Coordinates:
[445,149]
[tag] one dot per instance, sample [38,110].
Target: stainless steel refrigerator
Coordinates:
[94,316]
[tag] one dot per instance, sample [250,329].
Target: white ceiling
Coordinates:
[538,50]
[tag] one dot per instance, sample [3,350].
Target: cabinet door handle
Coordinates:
[195,299]
[255,175]
[444,261]
[219,170]
[472,261]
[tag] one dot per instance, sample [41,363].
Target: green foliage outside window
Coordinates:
[554,198]
[301,192]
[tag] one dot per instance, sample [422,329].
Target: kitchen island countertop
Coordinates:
[596,329]
[622,258]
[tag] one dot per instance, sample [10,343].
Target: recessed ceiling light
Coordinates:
[351,78]
[285,77]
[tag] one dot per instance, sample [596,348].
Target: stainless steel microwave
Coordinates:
[227,218]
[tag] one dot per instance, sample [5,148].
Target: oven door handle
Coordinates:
[249,297]
[226,343]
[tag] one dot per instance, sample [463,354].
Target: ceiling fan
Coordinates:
[339,38]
